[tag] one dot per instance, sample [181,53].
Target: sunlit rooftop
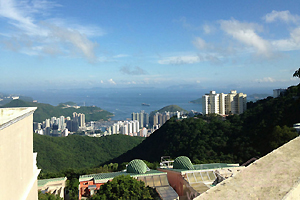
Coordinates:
[10,114]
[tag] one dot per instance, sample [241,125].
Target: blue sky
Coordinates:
[200,44]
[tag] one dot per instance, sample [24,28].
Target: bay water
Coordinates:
[122,102]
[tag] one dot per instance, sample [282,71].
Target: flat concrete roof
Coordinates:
[42,182]
[204,167]
[104,177]
[12,115]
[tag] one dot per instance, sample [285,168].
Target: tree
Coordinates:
[297,73]
[124,187]
[48,196]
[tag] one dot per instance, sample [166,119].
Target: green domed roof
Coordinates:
[136,166]
[182,162]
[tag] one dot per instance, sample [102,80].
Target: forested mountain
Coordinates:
[77,152]
[45,111]
[265,126]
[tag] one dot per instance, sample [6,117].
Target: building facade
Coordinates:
[224,104]
[18,162]
[278,92]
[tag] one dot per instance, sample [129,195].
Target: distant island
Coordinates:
[196,101]
[170,108]
[46,111]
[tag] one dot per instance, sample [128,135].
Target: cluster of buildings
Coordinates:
[131,128]
[140,125]
[224,104]
[60,126]
[160,118]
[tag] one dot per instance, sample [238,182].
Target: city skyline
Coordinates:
[216,44]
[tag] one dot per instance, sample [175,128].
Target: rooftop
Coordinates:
[104,177]
[11,115]
[210,166]
[43,182]
[274,176]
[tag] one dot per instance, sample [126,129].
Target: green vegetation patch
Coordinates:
[125,187]
[77,152]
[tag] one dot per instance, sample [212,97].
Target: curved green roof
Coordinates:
[182,162]
[136,166]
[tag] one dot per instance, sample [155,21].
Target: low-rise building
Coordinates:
[89,184]
[54,186]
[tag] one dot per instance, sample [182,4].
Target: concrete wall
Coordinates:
[18,173]
[294,193]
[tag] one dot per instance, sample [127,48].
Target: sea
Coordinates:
[124,101]
[121,102]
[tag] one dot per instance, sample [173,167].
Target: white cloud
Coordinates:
[199,43]
[295,35]
[179,60]
[289,44]
[187,25]
[131,83]
[75,38]
[284,16]
[246,34]
[265,80]
[133,71]
[101,81]
[208,29]
[112,82]
[121,56]
[49,36]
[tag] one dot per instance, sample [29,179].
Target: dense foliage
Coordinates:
[48,196]
[266,125]
[124,187]
[46,111]
[77,152]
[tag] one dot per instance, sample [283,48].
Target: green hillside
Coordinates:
[77,152]
[266,125]
[170,108]
[45,111]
